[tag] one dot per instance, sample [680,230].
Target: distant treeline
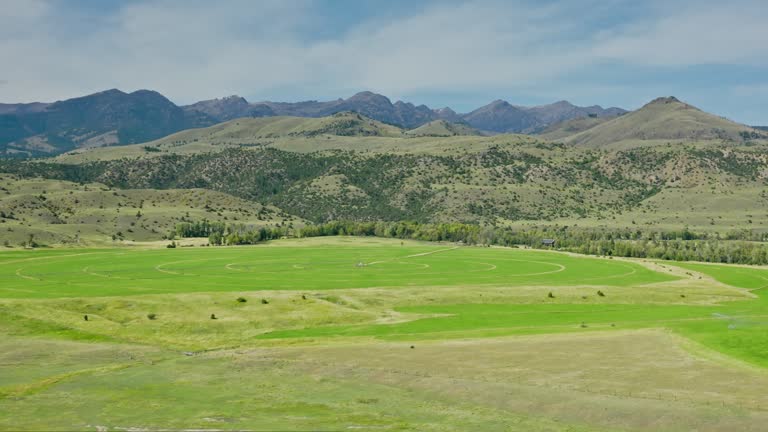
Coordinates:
[738,247]
[219,233]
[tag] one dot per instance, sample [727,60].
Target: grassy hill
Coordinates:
[664,119]
[442,128]
[55,211]
[705,185]
[347,132]
[341,124]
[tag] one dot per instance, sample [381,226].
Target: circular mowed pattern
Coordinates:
[61,273]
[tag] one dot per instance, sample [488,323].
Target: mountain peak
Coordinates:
[369,96]
[664,118]
[234,98]
[499,103]
[664,100]
[110,92]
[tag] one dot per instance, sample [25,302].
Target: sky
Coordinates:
[462,54]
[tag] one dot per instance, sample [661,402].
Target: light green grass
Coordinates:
[49,274]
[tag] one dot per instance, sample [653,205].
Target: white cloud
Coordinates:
[196,49]
[693,34]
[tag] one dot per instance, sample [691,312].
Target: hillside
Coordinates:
[442,128]
[55,211]
[665,119]
[571,127]
[244,129]
[343,131]
[488,180]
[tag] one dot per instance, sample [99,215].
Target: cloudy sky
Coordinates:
[463,54]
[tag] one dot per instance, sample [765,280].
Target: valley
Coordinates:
[341,272]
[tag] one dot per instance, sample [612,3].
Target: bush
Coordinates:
[242,299]
[152,316]
[172,245]
[264,301]
[550,295]
[600,293]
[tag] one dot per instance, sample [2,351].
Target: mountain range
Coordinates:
[661,167]
[497,117]
[114,117]
[106,118]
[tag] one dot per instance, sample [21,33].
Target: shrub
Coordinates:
[550,295]
[152,316]
[264,301]
[242,299]
[600,293]
[213,316]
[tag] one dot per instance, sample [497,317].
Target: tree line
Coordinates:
[220,233]
[738,247]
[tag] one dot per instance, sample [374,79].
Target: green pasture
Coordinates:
[347,333]
[122,272]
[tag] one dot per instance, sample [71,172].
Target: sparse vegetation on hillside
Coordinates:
[664,119]
[56,212]
[536,182]
[442,128]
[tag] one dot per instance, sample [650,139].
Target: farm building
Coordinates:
[548,242]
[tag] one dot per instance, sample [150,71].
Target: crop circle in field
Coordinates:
[399,267]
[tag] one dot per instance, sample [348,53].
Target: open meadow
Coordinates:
[362,333]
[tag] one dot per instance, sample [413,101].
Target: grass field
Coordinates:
[360,333]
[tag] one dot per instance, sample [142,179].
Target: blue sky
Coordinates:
[461,54]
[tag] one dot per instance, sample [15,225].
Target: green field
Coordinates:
[64,273]
[362,333]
